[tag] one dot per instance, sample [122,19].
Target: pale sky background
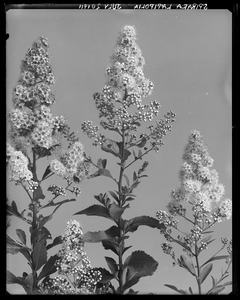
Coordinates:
[188,58]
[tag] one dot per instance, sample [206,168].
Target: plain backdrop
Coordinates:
[188,58]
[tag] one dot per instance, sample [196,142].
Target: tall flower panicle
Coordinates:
[74,264]
[199,201]
[33,127]
[120,104]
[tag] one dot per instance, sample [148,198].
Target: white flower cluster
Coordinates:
[199,183]
[18,165]
[81,278]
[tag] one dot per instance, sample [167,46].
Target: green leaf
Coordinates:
[135,177]
[110,146]
[127,179]
[99,164]
[46,173]
[99,236]
[216,290]
[14,246]
[39,255]
[134,223]
[38,194]
[125,249]
[227,283]
[109,245]
[44,220]
[139,154]
[56,241]
[142,143]
[176,289]
[139,265]
[215,258]
[11,278]
[112,265]
[190,290]
[49,267]
[114,195]
[213,281]
[95,210]
[115,211]
[126,154]
[22,235]
[205,272]
[105,172]
[187,265]
[106,276]
[28,282]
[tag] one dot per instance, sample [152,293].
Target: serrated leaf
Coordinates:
[112,265]
[56,241]
[21,235]
[115,211]
[39,255]
[205,272]
[46,173]
[139,265]
[95,210]
[127,179]
[114,195]
[106,276]
[215,258]
[49,267]
[109,245]
[216,290]
[99,236]
[176,289]
[134,223]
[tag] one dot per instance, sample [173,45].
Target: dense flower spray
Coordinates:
[199,201]
[120,104]
[76,275]
[123,110]
[35,133]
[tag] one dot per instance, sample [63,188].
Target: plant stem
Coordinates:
[198,272]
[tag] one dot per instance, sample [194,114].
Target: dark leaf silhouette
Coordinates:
[176,289]
[56,241]
[22,235]
[95,210]
[139,264]
[205,272]
[49,267]
[112,265]
[39,255]
[134,223]
[99,236]
[46,173]
[109,245]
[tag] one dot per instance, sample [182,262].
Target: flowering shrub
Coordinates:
[198,201]
[35,133]
[123,111]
